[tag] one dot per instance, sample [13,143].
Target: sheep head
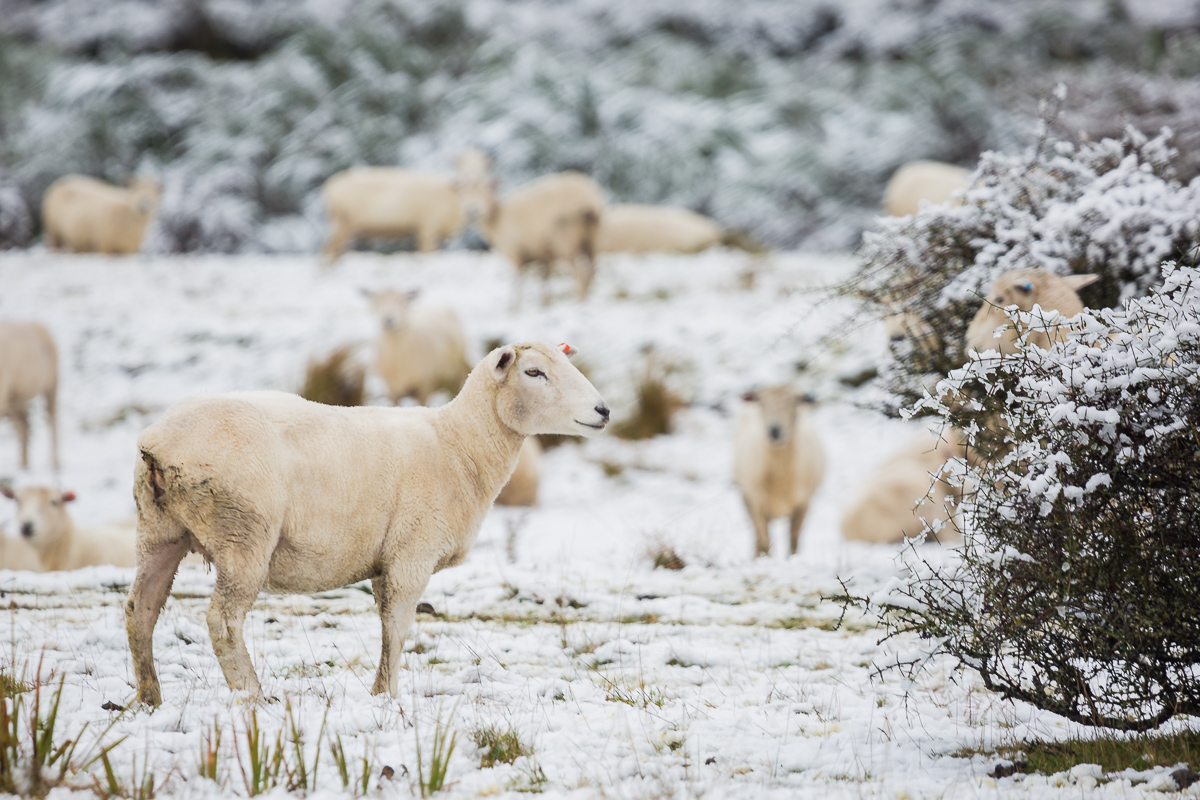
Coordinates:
[1024,288]
[41,513]
[780,408]
[539,390]
[392,307]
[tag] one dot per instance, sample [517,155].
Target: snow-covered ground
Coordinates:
[727,678]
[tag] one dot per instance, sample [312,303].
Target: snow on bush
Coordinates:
[16,224]
[1076,586]
[1113,208]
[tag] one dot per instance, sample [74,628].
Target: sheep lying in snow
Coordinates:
[633,228]
[522,486]
[932,181]
[1025,288]
[887,510]
[554,218]
[84,215]
[778,461]
[43,521]
[422,349]
[389,202]
[291,496]
[18,554]
[28,369]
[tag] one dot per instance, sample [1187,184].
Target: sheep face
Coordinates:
[540,391]
[41,513]
[1024,288]
[780,409]
[392,307]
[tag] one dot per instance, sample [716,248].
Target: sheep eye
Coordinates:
[534,372]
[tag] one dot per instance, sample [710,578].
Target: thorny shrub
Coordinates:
[1075,587]
[1113,208]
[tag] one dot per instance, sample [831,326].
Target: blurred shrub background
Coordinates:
[778,118]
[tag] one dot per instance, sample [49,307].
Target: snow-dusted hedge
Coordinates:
[1076,588]
[16,223]
[1111,207]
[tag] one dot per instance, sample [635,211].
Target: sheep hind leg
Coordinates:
[20,418]
[156,573]
[232,598]
[52,418]
[795,524]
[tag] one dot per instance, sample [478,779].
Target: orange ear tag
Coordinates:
[566,348]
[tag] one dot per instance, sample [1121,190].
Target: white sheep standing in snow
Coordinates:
[28,369]
[390,202]
[522,486]
[1026,288]
[16,553]
[84,215]
[778,461]
[554,218]
[290,496]
[915,181]
[421,348]
[43,521]
[907,491]
[633,228]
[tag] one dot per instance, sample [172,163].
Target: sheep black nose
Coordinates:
[27,530]
[776,433]
[602,410]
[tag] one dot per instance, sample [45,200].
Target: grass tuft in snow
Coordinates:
[663,556]
[444,740]
[498,747]
[654,410]
[358,782]
[1112,753]
[336,380]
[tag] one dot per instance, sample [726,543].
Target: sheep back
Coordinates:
[632,228]
[915,181]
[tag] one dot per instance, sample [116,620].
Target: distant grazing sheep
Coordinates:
[1025,288]
[554,218]
[422,349]
[522,486]
[778,461]
[391,203]
[922,180]
[84,215]
[633,228]
[887,510]
[290,496]
[18,554]
[43,521]
[28,369]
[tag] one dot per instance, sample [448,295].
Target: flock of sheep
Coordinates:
[282,494]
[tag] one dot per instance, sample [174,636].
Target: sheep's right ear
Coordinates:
[750,397]
[505,358]
[6,490]
[68,496]
[1077,282]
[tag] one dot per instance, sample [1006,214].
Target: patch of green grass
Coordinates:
[499,747]
[1112,753]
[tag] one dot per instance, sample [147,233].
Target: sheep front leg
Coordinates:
[758,517]
[232,598]
[20,419]
[797,522]
[396,599]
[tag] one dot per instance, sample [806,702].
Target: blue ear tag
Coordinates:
[1027,286]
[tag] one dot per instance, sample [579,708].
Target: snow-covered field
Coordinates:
[727,678]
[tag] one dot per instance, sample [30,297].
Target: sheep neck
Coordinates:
[471,428]
[54,553]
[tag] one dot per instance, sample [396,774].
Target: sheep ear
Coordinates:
[68,496]
[504,361]
[750,396]
[7,491]
[567,350]
[412,294]
[1079,281]
[808,398]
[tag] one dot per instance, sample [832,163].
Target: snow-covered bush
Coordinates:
[1113,208]
[16,223]
[206,213]
[1076,587]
